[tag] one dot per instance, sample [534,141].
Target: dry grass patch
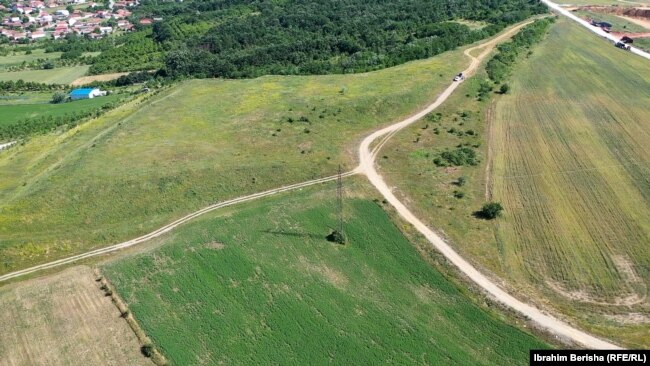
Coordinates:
[64,319]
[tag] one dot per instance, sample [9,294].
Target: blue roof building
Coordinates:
[85,93]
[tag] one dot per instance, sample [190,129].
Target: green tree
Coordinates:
[504,88]
[491,210]
[59,97]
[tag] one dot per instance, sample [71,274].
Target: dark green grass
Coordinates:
[262,286]
[14,113]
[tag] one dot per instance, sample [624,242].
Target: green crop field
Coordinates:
[61,75]
[14,112]
[17,58]
[570,165]
[260,285]
[199,142]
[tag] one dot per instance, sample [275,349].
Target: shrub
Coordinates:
[458,157]
[491,210]
[459,194]
[336,237]
[59,97]
[147,350]
[504,88]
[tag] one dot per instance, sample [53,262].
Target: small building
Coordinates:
[86,93]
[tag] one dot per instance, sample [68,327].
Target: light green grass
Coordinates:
[200,142]
[61,75]
[261,285]
[618,24]
[643,43]
[17,58]
[571,168]
[18,112]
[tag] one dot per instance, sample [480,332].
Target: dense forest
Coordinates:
[244,38]
[248,38]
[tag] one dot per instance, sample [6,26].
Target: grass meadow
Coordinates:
[13,112]
[259,284]
[17,58]
[60,75]
[202,141]
[569,162]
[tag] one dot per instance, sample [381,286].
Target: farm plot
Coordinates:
[571,166]
[17,58]
[61,75]
[142,165]
[568,158]
[15,112]
[64,319]
[261,285]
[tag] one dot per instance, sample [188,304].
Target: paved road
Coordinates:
[596,30]
[367,167]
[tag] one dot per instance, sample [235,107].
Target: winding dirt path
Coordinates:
[366,166]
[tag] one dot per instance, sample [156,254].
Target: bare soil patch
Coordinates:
[103,77]
[64,319]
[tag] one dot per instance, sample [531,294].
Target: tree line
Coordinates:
[500,65]
[311,37]
[249,38]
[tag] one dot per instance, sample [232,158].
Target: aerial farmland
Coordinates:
[321,182]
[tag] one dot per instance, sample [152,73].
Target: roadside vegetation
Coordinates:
[260,284]
[566,161]
[500,65]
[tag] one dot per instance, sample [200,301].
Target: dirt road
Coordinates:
[367,167]
[165,229]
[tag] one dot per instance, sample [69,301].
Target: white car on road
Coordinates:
[459,77]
